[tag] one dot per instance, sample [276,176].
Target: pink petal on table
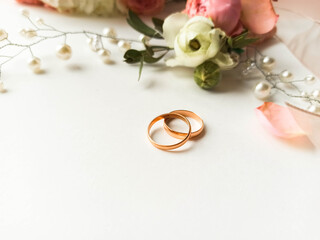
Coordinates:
[279,120]
[309,122]
[258,16]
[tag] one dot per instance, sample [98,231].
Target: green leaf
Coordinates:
[230,42]
[140,68]
[132,56]
[241,41]
[149,49]
[158,24]
[207,75]
[135,22]
[150,59]
[238,50]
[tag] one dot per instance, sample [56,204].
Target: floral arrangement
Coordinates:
[207,35]
[101,7]
[210,36]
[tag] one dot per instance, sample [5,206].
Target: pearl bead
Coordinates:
[35,64]
[304,94]
[28,33]
[2,88]
[286,76]
[309,79]
[124,46]
[314,109]
[64,52]
[104,55]
[267,63]
[144,39]
[262,90]
[3,35]
[316,94]
[39,21]
[110,33]
[24,12]
[93,44]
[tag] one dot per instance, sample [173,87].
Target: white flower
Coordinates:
[194,41]
[96,7]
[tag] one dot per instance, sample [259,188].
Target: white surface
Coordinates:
[75,162]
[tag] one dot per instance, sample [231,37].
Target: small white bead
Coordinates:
[262,90]
[2,88]
[110,33]
[24,12]
[316,94]
[3,35]
[35,64]
[145,39]
[28,33]
[22,32]
[309,79]
[314,109]
[93,44]
[39,21]
[104,55]
[304,94]
[124,46]
[267,63]
[64,52]
[286,76]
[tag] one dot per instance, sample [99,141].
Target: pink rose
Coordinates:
[224,13]
[258,16]
[145,7]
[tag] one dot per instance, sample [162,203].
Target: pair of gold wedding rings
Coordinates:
[177,114]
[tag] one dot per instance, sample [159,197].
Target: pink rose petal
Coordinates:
[309,122]
[279,120]
[258,16]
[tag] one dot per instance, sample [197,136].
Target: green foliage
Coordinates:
[144,56]
[240,41]
[132,56]
[135,22]
[207,75]
[158,24]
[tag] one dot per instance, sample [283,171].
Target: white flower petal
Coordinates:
[172,26]
[224,61]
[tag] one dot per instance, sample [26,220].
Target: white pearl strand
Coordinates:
[263,89]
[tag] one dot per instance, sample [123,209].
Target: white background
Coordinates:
[75,162]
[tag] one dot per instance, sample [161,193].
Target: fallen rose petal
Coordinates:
[279,120]
[258,17]
[309,122]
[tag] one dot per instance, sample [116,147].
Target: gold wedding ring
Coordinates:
[170,116]
[181,135]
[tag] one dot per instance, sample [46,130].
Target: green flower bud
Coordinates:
[207,75]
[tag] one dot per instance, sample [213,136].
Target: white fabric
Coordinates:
[299,29]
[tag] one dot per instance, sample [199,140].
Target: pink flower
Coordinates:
[224,13]
[258,16]
[145,7]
